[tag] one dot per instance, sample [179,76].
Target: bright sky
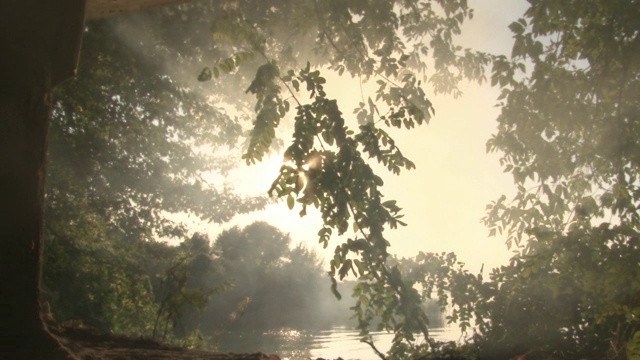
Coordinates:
[445,197]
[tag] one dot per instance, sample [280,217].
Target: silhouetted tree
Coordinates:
[283,284]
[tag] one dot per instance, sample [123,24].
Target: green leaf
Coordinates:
[517,27]
[205,74]
[290,201]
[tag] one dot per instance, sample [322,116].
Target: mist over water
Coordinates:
[337,342]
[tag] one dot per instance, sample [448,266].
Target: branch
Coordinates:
[375,349]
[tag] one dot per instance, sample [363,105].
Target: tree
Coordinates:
[361,38]
[568,130]
[134,141]
[43,42]
[106,283]
[122,166]
[280,284]
[41,48]
[257,246]
[187,286]
[252,258]
[326,166]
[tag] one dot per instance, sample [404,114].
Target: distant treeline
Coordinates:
[252,278]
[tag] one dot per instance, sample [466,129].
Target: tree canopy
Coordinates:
[567,131]
[147,106]
[268,276]
[327,164]
[133,144]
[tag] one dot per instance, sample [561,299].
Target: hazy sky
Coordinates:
[445,197]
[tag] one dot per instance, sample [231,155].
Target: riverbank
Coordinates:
[91,344]
[337,343]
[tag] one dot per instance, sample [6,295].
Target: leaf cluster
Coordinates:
[568,132]
[327,164]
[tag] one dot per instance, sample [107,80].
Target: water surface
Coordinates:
[329,344]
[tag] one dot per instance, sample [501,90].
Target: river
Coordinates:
[328,344]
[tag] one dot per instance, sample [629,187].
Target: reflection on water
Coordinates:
[329,344]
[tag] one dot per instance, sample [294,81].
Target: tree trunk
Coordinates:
[39,46]
[39,42]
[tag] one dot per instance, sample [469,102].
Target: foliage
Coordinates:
[188,284]
[575,294]
[568,134]
[145,153]
[327,163]
[273,284]
[131,145]
[443,277]
[104,284]
[568,131]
